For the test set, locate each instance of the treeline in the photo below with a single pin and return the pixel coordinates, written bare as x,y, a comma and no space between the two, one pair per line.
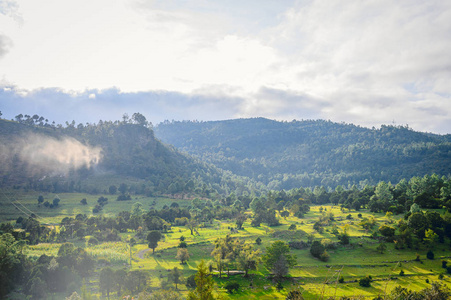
285,155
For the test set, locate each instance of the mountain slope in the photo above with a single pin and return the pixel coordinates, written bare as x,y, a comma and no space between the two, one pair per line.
77,158
309,153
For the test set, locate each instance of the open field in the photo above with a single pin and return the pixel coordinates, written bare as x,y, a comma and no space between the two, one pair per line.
312,276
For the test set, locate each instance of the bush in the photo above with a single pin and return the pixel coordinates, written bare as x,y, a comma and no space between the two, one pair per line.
401,273
294,295
93,241
232,286
359,215
317,249
448,270
341,279
365,282
444,263
292,227
191,282
324,256
430,255
298,245
258,241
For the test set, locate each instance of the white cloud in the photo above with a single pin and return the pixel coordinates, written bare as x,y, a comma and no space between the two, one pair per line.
367,62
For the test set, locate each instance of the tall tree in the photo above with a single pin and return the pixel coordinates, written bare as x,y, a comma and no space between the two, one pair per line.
153,238
204,284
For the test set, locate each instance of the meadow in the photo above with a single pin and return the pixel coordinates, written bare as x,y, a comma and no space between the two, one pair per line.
314,278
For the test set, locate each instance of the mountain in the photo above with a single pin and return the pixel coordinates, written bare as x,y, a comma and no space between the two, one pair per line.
91,157
286,155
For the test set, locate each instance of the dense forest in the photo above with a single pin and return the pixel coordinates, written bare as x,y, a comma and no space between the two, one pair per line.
309,153
44,156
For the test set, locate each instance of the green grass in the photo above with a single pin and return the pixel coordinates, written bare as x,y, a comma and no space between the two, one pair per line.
310,275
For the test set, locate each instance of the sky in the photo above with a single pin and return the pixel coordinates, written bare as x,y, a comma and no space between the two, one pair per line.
354,61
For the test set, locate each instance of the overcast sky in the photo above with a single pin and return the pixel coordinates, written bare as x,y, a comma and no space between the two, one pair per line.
362,62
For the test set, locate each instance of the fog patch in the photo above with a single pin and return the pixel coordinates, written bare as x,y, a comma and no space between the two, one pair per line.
43,155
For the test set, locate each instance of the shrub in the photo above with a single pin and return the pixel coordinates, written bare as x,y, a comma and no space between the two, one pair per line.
341,279
292,227
182,245
324,256
294,295
232,286
444,263
401,273
430,255
365,282
359,215
298,245
317,249
93,241
258,241
191,282
441,276
349,217
448,270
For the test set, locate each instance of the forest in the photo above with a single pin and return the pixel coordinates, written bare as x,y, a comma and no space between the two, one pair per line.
114,213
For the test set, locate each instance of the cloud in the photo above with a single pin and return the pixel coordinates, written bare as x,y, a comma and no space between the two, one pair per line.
44,155
5,44
365,62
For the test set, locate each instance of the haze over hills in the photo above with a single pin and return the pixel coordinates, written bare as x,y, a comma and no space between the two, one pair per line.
286,155
79,158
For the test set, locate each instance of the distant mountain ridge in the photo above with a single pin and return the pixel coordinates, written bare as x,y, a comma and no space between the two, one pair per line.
285,155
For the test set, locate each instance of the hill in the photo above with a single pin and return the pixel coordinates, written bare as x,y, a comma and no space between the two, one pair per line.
286,155
92,157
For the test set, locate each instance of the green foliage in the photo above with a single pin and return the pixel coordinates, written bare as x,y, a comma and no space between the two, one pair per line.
153,238
204,284
365,282
317,249
232,286
270,151
278,258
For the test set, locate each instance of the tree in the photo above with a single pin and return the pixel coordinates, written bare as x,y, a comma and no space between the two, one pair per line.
83,201
204,284
112,189
106,280
387,231
40,199
317,249
153,238
131,243
278,259
248,259
56,202
139,119
175,276
381,248
191,224
284,214
182,255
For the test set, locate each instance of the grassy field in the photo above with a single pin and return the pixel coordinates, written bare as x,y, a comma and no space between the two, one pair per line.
313,277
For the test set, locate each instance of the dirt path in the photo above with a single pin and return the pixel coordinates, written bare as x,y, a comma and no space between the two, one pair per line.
141,253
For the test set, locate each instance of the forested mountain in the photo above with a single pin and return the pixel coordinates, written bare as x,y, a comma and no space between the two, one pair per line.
286,155
49,157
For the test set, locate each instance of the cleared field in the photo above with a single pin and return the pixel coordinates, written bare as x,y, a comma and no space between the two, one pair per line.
313,277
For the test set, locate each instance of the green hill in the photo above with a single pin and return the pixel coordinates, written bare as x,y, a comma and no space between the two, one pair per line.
91,157
285,155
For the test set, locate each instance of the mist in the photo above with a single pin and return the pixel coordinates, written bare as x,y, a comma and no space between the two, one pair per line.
41,154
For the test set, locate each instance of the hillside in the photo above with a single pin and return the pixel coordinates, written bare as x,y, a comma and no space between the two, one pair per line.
285,155
91,157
